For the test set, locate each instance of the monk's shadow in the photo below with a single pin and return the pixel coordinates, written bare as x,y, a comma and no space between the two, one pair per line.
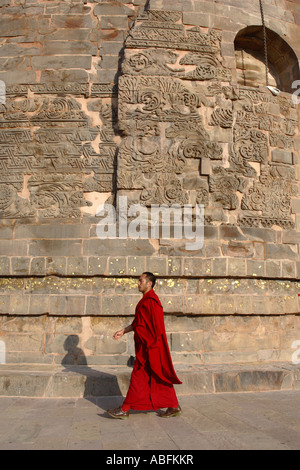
100,388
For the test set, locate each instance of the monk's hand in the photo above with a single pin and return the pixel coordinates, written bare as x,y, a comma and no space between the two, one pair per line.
119,334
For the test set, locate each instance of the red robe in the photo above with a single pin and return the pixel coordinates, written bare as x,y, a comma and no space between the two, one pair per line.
153,375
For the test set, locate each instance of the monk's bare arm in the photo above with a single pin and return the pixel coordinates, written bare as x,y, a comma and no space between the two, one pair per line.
122,332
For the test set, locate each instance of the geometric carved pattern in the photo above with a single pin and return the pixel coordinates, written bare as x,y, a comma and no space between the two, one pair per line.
46,152
187,135
176,113
159,107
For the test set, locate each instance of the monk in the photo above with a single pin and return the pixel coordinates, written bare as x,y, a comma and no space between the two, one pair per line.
151,385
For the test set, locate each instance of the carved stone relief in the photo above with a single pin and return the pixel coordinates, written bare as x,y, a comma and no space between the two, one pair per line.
160,107
47,156
178,119
178,110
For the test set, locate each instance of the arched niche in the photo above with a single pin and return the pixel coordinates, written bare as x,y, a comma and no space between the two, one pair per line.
283,63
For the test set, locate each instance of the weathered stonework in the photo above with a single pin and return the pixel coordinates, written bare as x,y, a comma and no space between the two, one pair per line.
163,102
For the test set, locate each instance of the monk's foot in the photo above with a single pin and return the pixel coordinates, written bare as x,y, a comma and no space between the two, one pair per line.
170,412
118,413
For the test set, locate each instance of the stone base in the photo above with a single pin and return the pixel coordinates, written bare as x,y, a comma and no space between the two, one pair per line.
84,381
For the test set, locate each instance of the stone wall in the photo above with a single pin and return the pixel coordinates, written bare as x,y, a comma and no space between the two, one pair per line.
146,100
205,339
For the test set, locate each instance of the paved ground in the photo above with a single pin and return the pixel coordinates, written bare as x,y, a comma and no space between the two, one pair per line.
236,421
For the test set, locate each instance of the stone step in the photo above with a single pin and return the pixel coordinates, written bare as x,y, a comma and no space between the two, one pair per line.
83,381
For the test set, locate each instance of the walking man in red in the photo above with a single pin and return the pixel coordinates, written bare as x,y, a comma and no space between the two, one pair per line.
151,385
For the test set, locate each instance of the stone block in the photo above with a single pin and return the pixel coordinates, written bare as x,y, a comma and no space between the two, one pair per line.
291,305
212,251
117,266
39,304
193,266
10,24
130,302
108,360
243,305
282,156
219,266
59,62
114,22
227,305
65,75
55,247
136,265
73,387
180,324
170,286
215,286
110,10
201,382
296,205
276,305
211,305
17,77
105,345
112,305
112,36
13,247
273,269
56,265
110,62
20,265
107,76
69,47
77,266
236,267
75,305
172,303
199,19
289,269
24,342
186,358
249,380
6,233
255,268
157,266
281,252
182,5
37,266
72,22
291,236
93,305
189,342
229,232
52,231
67,326
97,265
5,266
98,247
111,48
14,385
298,269
238,249
191,286
19,304
125,286
192,304
57,304
4,304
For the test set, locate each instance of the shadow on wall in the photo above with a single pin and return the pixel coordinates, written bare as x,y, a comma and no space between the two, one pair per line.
97,383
